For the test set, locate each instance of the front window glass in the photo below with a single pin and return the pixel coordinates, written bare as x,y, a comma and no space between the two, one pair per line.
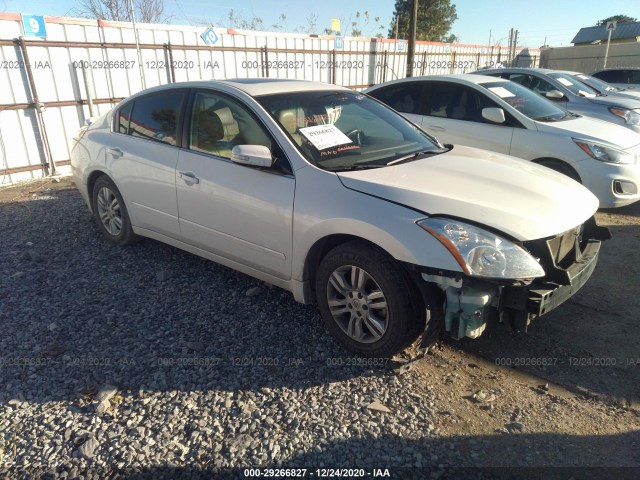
219,123
347,130
526,101
573,85
595,83
156,117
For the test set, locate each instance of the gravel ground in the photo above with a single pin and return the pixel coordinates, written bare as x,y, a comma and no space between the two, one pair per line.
149,361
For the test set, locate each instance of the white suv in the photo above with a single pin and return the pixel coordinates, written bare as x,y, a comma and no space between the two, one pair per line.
333,196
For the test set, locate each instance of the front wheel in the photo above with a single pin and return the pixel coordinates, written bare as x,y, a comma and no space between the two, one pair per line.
367,301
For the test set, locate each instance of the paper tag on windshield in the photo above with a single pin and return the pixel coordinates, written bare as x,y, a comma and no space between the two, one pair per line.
565,82
325,136
502,92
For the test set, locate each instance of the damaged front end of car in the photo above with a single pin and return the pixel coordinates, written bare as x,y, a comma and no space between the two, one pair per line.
503,281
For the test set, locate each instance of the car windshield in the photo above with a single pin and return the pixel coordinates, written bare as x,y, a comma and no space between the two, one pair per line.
343,130
573,85
595,83
526,101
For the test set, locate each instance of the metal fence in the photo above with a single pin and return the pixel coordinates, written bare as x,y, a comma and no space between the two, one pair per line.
49,87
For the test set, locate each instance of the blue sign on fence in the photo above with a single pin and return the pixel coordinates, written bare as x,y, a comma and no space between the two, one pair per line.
209,36
34,26
401,44
339,45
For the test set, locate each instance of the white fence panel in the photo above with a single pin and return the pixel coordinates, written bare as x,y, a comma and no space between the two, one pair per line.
89,61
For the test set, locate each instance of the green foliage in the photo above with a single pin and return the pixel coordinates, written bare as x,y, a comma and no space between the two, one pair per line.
616,18
435,18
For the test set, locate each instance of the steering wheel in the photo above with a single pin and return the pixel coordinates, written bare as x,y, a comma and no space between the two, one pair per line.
356,135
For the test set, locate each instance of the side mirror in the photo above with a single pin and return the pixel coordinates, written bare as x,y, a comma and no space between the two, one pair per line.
253,155
493,114
554,95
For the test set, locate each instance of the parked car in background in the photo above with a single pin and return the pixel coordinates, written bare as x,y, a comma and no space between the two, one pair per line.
503,116
573,95
601,87
335,197
620,77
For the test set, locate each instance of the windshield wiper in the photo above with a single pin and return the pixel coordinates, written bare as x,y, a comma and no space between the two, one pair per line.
553,118
355,167
415,156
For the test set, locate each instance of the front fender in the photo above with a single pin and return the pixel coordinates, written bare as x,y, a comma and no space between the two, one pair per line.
390,226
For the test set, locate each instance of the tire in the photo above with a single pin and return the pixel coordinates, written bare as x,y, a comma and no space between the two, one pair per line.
367,301
111,213
562,168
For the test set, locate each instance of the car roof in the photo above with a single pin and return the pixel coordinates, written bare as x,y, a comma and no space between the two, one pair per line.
616,69
251,86
514,70
462,78
570,72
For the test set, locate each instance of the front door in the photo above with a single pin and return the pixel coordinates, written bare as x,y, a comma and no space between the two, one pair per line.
242,213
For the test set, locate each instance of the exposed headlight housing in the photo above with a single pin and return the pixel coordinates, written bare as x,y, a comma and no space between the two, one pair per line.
629,116
605,154
481,253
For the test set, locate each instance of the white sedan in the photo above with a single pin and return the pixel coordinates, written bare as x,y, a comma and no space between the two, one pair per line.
503,116
333,196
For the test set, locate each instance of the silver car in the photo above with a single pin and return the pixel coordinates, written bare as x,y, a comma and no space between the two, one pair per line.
601,87
573,95
335,197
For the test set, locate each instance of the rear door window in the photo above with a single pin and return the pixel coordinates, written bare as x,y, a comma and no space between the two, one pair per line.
156,116
610,76
404,97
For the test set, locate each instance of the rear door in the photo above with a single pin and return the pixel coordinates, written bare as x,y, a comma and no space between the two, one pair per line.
143,158
404,97
238,212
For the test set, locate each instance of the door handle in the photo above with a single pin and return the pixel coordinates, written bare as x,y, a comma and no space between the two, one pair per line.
115,152
436,128
188,177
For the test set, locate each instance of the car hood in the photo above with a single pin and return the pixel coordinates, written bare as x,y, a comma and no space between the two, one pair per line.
615,101
519,198
588,128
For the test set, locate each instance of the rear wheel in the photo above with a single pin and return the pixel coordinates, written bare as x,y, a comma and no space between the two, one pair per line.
111,213
367,301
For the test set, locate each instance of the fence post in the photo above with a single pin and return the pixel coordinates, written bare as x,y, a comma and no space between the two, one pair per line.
172,70
48,162
333,66
265,61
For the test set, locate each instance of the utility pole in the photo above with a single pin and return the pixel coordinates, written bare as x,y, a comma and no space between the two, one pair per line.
412,36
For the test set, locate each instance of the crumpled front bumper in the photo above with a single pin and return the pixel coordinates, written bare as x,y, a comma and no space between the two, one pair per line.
569,259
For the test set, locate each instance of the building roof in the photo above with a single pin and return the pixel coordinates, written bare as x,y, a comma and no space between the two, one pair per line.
592,34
